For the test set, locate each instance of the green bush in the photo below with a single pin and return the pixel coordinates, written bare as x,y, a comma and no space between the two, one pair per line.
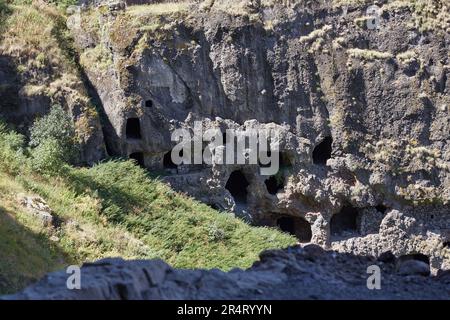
12,150
48,157
4,9
56,126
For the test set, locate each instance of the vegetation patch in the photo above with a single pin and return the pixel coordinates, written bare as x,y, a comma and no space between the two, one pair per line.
368,55
115,209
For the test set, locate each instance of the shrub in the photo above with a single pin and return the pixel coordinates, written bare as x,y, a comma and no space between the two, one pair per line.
48,157
4,9
215,233
56,126
12,150
368,54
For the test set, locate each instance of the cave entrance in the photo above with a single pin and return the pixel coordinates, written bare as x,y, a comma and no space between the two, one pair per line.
168,162
447,244
139,158
237,185
416,256
285,161
322,152
149,104
381,208
133,130
344,222
274,184
296,226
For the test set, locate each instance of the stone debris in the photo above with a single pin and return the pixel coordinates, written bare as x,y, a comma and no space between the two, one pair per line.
38,208
307,272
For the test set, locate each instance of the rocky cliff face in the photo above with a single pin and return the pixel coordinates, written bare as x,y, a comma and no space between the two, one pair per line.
363,113
296,273
37,70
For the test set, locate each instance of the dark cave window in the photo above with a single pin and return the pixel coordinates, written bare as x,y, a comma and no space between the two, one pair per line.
167,161
322,152
237,185
287,224
447,244
215,206
133,130
344,221
417,256
285,162
139,158
149,104
274,185
381,208
296,226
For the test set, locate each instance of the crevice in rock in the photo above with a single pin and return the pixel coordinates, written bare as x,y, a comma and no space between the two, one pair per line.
417,256
296,226
285,161
133,129
139,158
413,264
322,152
274,184
381,208
168,162
149,104
344,222
237,185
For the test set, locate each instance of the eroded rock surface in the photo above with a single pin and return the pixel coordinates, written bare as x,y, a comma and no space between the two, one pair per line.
363,113
295,273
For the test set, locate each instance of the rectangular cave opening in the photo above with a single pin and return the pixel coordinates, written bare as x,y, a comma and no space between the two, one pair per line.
133,128
323,151
297,227
344,222
149,104
237,185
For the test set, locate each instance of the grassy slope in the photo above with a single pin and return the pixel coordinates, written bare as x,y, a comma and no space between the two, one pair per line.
26,252
115,209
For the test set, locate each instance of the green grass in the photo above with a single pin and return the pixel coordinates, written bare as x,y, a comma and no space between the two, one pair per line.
110,210
368,55
26,252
